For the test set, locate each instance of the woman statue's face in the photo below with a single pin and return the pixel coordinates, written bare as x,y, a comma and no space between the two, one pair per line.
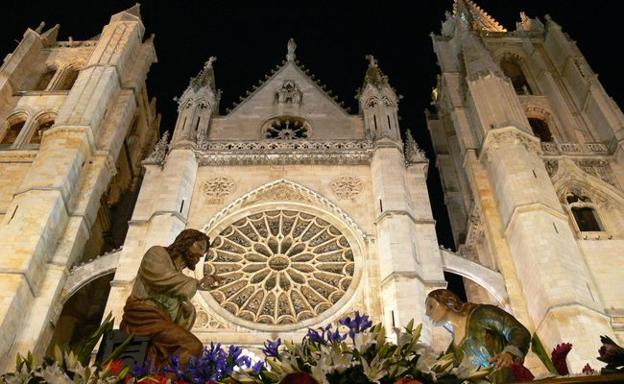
435,310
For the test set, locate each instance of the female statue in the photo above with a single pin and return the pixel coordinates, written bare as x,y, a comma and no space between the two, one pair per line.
483,335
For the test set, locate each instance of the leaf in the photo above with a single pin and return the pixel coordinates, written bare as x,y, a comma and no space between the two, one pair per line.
117,351
19,362
538,348
417,332
30,361
410,326
84,354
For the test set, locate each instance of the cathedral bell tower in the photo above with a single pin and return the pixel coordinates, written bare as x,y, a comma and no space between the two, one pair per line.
514,111
195,108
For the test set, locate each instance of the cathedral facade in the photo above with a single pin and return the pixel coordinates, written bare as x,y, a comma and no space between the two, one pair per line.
313,212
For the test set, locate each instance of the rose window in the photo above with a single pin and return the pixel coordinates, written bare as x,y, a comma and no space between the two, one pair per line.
280,267
286,128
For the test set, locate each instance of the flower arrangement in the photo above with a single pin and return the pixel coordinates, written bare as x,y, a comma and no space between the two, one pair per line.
352,351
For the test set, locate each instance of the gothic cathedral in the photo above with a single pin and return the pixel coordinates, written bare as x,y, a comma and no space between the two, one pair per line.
313,212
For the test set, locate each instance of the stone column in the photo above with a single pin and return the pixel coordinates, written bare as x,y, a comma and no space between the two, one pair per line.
403,287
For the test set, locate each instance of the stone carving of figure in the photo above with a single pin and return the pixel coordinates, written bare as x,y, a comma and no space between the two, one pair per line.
483,335
160,303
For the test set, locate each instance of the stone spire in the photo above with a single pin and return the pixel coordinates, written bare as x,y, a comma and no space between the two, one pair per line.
477,58
476,17
374,76
413,153
292,46
205,77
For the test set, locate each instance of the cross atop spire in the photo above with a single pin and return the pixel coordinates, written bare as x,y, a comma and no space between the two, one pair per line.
476,17
292,46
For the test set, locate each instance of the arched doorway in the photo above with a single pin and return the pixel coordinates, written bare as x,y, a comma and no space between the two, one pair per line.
82,313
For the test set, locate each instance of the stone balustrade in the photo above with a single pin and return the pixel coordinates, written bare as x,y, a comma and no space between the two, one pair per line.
574,148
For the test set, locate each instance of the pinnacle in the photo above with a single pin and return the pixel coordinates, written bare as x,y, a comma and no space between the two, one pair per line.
206,76
476,16
135,10
374,75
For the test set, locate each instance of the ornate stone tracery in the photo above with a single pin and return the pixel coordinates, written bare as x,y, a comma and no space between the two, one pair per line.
286,128
217,188
280,267
346,187
598,168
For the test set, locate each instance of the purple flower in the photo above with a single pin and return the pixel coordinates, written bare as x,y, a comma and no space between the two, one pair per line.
315,337
324,335
356,325
174,367
335,337
271,348
143,369
257,367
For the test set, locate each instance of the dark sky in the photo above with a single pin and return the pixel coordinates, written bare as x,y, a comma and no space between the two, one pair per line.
332,36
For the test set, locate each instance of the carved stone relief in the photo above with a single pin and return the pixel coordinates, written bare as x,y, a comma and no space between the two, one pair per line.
551,167
289,93
597,168
217,188
346,187
506,137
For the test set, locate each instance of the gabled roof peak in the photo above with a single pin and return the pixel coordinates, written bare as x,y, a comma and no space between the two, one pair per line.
291,60
476,17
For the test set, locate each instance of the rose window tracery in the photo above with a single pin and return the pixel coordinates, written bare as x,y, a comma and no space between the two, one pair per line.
280,267
286,128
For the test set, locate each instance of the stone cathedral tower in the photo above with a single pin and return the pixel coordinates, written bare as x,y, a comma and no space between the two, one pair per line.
75,124
313,212
530,152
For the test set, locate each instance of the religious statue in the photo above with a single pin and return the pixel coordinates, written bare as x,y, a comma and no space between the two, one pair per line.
483,335
160,303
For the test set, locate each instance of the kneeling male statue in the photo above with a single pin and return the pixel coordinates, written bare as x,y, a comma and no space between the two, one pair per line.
160,303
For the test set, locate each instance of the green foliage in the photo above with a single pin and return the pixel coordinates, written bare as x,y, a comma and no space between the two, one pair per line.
538,348
68,366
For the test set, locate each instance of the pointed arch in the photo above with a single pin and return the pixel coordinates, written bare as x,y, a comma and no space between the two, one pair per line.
575,179
84,274
513,63
302,193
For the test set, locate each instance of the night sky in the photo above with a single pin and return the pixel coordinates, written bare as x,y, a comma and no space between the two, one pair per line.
333,37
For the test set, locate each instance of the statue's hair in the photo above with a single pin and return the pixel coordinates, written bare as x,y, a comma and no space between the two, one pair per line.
184,240
450,300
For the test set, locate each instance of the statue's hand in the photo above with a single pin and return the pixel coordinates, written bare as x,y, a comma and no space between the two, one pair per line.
187,308
210,282
503,359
